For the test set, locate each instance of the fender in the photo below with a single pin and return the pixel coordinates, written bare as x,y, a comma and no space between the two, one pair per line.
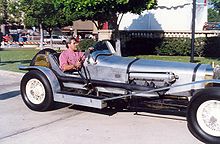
55,85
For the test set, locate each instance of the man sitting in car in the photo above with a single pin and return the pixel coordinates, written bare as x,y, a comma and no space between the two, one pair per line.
71,59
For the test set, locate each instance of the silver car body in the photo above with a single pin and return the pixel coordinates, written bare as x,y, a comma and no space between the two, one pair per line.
122,69
107,79
130,77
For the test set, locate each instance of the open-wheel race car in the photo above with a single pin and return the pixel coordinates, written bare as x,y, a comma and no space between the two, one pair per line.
106,78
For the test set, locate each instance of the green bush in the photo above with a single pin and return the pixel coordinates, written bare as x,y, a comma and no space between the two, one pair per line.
200,45
85,44
182,46
204,46
174,46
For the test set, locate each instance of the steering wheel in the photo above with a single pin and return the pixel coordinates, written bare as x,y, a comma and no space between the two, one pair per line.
85,79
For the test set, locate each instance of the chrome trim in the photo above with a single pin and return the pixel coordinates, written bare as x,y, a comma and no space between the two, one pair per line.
161,89
80,100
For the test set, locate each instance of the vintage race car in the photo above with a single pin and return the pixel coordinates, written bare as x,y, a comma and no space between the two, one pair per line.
106,79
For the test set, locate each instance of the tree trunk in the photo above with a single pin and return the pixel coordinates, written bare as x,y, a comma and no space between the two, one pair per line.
41,37
116,35
51,39
3,29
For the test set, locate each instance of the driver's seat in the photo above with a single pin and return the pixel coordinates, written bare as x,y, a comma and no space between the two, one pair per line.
56,57
54,62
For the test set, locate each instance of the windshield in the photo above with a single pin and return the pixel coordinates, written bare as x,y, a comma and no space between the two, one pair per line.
102,47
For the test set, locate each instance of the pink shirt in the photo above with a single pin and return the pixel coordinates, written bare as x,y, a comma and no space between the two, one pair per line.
70,57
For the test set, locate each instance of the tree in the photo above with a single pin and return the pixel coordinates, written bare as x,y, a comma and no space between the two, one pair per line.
9,12
3,11
15,15
214,11
3,15
213,15
104,10
42,14
216,4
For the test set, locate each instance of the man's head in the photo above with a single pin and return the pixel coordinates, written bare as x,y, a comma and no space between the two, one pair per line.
72,43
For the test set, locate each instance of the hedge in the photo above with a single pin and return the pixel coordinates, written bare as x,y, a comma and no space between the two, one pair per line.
174,46
209,46
85,44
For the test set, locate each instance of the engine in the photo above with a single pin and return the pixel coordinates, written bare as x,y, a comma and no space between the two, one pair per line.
153,79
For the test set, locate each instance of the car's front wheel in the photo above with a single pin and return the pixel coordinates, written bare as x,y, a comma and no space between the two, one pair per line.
36,91
203,115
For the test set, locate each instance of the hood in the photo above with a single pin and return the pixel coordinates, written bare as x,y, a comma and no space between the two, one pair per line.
186,72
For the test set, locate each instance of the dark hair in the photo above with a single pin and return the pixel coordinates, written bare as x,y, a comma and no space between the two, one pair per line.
68,41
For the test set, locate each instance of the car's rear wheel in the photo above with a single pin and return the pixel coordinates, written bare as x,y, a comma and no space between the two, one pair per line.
36,91
203,115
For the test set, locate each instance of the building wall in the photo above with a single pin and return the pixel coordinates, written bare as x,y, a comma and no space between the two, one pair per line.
174,15
84,25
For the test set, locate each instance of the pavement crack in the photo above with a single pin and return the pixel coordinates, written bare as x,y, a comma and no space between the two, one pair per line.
39,126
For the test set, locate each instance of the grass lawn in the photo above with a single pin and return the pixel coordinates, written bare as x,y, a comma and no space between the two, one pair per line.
203,60
10,59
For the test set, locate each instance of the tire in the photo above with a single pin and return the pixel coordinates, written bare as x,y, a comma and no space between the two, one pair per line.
36,91
203,115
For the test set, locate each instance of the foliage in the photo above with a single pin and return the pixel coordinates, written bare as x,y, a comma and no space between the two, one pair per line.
3,11
216,4
103,10
43,12
213,15
9,12
15,15
200,45
174,46
204,46
214,11
85,44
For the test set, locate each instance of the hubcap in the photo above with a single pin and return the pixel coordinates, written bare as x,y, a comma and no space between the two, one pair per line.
35,91
208,117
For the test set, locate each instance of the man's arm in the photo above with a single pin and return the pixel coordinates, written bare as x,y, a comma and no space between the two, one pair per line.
67,67
64,64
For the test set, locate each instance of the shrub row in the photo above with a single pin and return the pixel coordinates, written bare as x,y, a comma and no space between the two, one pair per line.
209,46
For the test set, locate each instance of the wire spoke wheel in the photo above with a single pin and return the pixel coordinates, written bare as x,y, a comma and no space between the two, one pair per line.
208,115
203,115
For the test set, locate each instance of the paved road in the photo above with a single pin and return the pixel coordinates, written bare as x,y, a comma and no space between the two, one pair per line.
75,125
